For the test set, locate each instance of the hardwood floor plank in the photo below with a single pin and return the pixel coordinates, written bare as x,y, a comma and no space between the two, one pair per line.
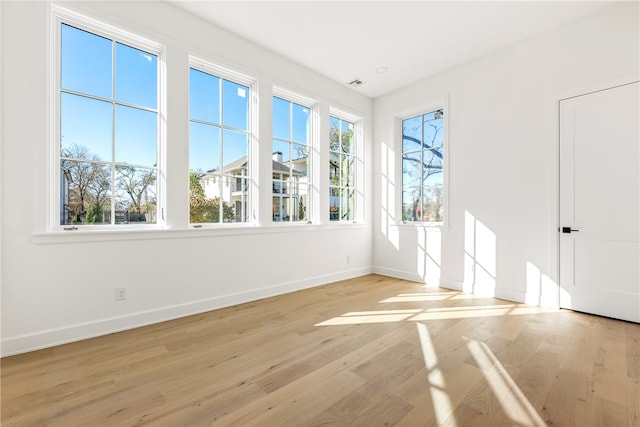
370,351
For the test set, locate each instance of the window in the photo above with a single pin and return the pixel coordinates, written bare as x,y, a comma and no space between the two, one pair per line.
218,149
291,160
423,168
108,129
342,163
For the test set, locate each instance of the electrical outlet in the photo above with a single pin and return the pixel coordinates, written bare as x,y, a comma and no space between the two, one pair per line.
120,294
348,259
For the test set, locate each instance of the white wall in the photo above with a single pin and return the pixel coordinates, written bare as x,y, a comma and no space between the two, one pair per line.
61,288
503,154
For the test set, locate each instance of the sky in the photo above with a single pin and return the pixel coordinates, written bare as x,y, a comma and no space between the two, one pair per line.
124,131
109,104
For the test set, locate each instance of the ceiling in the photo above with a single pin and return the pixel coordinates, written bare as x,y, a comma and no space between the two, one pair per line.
347,40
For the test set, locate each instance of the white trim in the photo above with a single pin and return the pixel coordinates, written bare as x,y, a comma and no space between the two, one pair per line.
554,155
232,229
452,284
510,295
81,331
341,114
224,73
358,176
436,103
58,16
399,274
295,97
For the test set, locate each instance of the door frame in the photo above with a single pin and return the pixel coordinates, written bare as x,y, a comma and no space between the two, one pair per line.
554,182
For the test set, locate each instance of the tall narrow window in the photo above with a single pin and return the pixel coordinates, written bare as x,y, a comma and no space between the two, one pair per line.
422,168
291,160
218,149
108,105
342,163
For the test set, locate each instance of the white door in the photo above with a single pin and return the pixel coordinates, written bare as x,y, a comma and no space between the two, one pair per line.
600,203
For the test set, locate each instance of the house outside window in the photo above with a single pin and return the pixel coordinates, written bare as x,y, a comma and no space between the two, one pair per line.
423,161
107,107
291,160
342,170
219,138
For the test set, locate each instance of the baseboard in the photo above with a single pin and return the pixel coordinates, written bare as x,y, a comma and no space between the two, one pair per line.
398,274
52,337
509,295
455,285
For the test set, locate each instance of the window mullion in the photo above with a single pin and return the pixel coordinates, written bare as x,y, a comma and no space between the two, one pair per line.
113,132
221,151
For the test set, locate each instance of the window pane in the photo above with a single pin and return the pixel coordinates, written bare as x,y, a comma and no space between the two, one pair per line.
347,137
281,118
348,163
235,105
432,162
301,211
411,208
136,76
204,97
135,195
432,131
433,176
334,134
234,150
136,136
235,199
300,159
204,147
411,169
85,128
85,62
85,193
334,168
432,210
411,134
334,204
281,151
301,124
204,198
346,206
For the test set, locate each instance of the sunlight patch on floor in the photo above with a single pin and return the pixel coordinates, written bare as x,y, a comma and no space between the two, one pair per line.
437,387
513,402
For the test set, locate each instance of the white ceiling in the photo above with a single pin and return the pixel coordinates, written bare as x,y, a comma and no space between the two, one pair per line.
345,40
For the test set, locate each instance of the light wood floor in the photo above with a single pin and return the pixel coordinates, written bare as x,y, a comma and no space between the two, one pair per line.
371,351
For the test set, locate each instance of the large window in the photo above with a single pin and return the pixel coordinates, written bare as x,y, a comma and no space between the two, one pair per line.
218,149
342,163
291,160
423,167
108,130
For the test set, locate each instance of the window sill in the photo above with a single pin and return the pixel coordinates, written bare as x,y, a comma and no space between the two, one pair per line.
424,225
130,234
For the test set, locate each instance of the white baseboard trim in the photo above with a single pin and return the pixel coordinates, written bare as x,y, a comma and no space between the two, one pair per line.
398,274
454,285
509,295
53,337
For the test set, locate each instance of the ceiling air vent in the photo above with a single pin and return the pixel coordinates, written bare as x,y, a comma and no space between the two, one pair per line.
355,83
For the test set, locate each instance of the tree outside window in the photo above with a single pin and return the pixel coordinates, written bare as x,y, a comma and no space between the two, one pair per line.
422,168
342,161
108,130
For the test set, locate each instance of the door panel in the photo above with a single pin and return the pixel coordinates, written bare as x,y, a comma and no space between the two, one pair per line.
600,197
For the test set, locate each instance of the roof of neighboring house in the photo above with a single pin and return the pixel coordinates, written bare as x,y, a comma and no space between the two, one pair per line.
276,166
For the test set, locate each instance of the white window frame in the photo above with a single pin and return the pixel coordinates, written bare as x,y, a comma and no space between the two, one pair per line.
225,73
313,107
59,16
358,165
436,104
